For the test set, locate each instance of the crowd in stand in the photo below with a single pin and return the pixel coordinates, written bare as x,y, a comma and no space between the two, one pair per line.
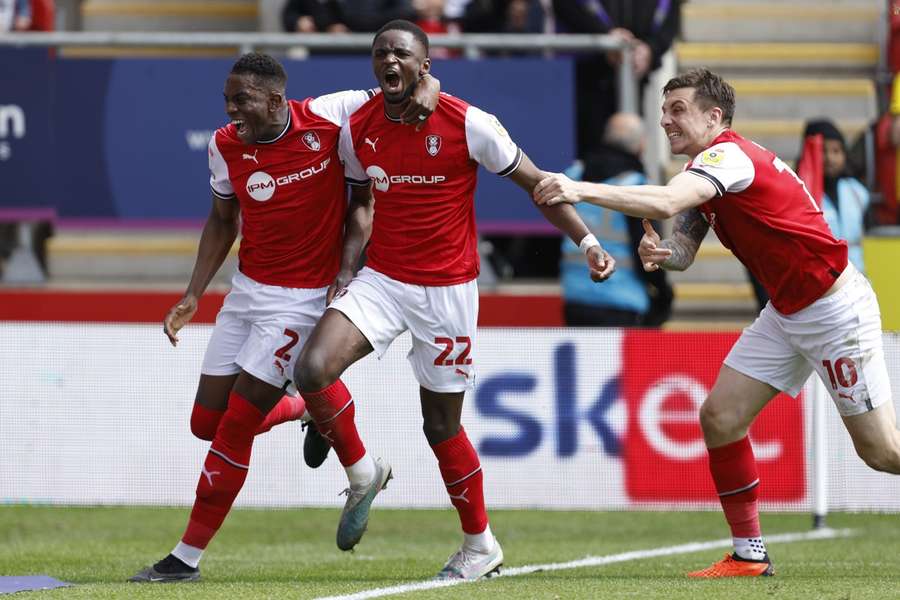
433,16
26,15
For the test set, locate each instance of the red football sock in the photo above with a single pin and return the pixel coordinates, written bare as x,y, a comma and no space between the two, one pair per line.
734,473
205,421
462,475
289,408
332,410
224,471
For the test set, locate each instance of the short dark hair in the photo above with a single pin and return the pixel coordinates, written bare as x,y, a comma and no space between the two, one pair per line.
403,25
262,66
709,89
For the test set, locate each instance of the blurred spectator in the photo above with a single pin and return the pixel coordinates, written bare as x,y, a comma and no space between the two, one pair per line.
431,16
341,16
43,15
504,16
894,35
887,159
310,16
650,26
15,15
370,15
633,297
844,200
299,16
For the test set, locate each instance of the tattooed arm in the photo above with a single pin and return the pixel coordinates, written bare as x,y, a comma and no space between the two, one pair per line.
687,233
677,252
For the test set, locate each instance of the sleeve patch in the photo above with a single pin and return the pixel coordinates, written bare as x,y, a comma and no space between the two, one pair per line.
713,157
495,123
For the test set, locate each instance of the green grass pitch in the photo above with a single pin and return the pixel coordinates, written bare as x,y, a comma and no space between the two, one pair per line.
291,554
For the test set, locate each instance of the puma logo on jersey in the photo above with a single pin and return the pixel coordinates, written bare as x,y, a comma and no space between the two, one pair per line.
463,373
251,156
461,496
209,474
371,143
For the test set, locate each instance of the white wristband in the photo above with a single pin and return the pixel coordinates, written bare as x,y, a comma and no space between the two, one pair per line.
588,241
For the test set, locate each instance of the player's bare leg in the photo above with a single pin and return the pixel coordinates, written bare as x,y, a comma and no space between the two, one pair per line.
725,418
876,438
212,400
334,345
480,554
221,479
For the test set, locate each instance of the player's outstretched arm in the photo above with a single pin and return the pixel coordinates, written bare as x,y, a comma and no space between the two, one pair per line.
218,235
683,191
357,230
566,219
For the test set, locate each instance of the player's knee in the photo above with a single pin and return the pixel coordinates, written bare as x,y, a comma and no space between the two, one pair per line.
439,430
204,423
716,421
311,373
884,458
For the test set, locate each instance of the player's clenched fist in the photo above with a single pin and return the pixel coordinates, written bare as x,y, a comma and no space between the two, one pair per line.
340,283
600,263
651,253
178,316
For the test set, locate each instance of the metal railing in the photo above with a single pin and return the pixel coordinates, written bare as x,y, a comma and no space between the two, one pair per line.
472,45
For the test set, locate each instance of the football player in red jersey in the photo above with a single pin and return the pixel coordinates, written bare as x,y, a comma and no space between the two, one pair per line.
823,314
422,265
276,175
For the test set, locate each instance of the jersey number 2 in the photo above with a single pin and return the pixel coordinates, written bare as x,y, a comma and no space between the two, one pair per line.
282,352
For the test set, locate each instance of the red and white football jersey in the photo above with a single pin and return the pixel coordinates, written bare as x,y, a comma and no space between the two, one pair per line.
291,191
764,214
424,230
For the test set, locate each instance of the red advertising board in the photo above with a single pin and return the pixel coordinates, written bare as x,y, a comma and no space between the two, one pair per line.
665,378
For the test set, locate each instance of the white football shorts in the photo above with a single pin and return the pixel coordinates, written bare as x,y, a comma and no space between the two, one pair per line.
442,320
838,336
261,329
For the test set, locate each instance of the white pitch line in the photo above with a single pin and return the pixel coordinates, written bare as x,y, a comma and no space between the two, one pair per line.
595,561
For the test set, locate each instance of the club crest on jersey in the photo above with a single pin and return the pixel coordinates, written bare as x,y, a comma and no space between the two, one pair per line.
312,141
433,144
712,157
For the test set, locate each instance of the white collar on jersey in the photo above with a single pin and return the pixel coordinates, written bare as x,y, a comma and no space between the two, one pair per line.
390,118
287,126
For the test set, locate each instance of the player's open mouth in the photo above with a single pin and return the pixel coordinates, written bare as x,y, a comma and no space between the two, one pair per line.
392,79
240,126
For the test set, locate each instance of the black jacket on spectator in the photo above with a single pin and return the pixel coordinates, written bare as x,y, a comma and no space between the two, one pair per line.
294,9
655,22
358,15
370,15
